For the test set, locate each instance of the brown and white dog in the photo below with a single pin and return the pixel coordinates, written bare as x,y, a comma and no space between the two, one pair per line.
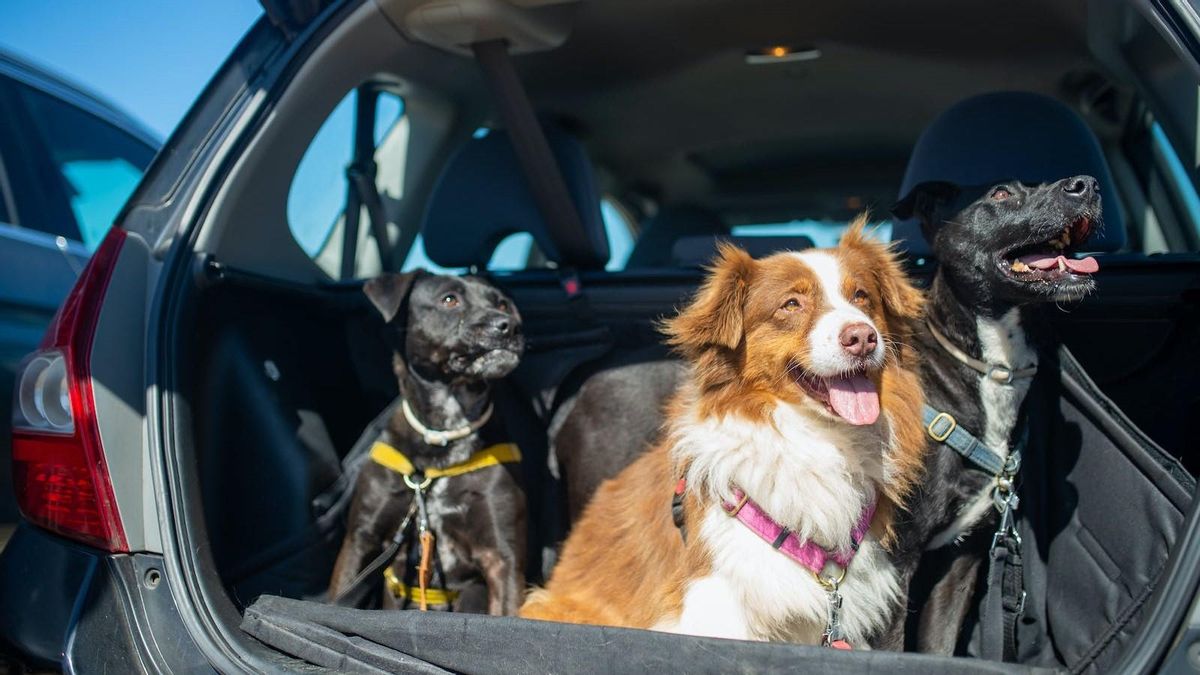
800,410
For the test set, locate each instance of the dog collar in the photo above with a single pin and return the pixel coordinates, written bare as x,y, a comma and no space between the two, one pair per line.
806,552
439,437
993,371
501,453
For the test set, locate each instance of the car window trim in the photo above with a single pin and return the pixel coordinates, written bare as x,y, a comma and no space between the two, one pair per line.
84,101
45,240
6,194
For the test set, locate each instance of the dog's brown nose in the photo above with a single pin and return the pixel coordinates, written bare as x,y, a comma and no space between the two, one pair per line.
859,339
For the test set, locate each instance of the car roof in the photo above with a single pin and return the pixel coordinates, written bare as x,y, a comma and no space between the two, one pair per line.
663,96
40,77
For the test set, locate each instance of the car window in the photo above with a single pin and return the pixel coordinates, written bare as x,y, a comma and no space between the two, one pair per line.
317,197
823,233
619,226
1157,164
518,251
97,166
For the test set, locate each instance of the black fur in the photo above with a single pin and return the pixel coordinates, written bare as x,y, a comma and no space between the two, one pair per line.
451,336
975,237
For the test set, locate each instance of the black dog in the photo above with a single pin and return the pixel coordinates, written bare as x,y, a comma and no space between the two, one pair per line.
1001,251
442,481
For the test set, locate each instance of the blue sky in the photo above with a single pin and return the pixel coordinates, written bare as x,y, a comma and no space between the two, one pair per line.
150,57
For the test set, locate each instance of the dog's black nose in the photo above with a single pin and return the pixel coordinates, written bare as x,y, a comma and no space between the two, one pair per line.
501,325
1081,186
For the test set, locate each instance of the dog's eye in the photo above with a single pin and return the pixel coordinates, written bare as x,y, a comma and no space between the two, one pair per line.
450,300
791,305
1000,194
503,306
861,297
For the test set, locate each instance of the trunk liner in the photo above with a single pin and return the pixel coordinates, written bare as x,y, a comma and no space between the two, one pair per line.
356,640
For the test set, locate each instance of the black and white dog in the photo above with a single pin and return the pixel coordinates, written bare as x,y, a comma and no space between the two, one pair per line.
443,470
1002,251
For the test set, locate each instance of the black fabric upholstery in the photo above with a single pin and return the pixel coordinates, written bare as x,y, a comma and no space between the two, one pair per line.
1005,136
660,232
280,402
482,197
1101,506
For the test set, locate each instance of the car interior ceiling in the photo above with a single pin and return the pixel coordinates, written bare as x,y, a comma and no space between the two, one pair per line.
290,365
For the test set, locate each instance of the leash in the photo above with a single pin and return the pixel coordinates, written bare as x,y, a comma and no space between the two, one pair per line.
419,481
1004,602
380,560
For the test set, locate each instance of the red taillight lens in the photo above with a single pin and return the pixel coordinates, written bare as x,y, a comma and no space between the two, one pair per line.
60,474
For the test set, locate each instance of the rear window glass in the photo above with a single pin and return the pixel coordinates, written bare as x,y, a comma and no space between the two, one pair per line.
317,198
823,233
519,251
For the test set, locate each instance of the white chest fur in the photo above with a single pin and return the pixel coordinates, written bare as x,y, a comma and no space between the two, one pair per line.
754,592
1002,341
811,475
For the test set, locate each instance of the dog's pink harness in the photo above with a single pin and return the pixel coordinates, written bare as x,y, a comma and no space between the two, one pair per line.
806,552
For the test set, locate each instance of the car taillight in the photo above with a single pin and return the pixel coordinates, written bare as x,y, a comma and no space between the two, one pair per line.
59,471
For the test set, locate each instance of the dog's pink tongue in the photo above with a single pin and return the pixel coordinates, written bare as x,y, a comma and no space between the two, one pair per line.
854,398
1044,261
1086,266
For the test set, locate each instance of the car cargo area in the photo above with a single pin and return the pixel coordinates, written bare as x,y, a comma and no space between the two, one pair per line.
666,136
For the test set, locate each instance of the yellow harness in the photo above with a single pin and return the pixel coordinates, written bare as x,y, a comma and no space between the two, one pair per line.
500,453
388,456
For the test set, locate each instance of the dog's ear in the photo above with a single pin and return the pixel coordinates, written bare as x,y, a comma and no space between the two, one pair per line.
388,292
900,297
715,315
925,202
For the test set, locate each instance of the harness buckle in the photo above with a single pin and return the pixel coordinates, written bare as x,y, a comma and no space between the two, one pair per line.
1001,374
830,584
1012,464
417,486
733,510
951,425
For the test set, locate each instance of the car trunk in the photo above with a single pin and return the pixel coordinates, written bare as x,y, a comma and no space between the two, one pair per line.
276,376
292,375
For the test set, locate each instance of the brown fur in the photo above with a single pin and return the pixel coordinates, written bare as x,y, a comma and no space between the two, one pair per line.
625,563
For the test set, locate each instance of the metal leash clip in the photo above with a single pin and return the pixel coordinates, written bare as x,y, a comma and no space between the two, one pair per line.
833,635
418,487
1006,502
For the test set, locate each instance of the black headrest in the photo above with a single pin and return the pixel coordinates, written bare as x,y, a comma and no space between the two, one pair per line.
663,229
482,197
1005,136
698,251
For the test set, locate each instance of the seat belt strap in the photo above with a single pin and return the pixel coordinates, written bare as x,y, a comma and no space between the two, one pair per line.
541,169
360,186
